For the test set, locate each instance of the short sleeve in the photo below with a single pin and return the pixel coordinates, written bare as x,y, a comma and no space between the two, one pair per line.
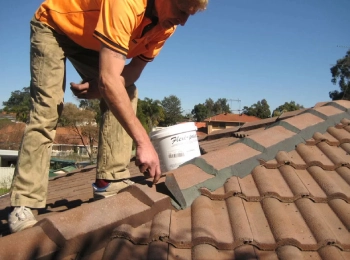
155,46
117,20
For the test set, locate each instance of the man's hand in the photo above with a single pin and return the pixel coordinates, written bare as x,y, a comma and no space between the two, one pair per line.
86,90
148,162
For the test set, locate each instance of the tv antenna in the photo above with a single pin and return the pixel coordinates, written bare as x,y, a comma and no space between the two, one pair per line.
239,105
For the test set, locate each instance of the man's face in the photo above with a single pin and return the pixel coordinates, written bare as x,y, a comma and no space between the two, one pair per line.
173,13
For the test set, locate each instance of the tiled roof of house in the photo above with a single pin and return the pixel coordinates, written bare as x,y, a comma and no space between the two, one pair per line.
201,129
279,193
68,135
64,135
228,117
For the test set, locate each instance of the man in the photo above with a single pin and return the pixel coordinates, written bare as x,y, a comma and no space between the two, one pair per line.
97,37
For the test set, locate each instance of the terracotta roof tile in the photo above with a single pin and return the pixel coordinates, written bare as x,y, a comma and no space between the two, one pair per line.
227,117
293,203
211,223
150,231
212,145
179,253
258,123
303,121
119,248
229,155
190,175
271,136
328,110
17,247
180,229
291,113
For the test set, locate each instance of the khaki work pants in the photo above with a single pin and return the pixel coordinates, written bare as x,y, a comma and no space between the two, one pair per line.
48,53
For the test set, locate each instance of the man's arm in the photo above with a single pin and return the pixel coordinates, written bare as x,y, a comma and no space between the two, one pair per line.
112,80
133,70
89,89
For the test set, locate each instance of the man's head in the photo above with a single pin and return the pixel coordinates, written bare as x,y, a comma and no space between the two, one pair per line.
176,12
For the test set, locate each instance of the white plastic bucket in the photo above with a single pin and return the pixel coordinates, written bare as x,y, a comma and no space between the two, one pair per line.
175,145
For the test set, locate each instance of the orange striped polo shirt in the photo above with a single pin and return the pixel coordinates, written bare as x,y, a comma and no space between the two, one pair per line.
119,24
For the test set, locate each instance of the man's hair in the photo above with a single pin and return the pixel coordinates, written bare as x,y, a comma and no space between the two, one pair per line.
195,5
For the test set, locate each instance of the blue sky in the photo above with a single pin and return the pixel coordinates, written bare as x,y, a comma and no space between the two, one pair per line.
278,50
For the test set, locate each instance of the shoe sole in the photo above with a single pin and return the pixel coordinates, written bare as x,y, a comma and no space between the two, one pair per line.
106,194
23,226
98,196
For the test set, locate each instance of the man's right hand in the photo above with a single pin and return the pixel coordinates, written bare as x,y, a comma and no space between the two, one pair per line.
86,90
148,162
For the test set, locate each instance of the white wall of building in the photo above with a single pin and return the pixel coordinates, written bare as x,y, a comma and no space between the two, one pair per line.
6,175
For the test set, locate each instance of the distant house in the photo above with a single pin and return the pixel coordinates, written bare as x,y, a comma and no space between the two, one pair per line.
66,142
227,120
201,130
9,116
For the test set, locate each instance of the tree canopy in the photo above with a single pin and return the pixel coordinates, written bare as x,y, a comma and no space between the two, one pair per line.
150,113
19,103
260,109
92,105
221,106
210,108
200,112
172,110
209,104
341,75
286,107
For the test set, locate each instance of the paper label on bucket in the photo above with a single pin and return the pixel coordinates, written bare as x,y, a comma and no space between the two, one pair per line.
176,149
180,139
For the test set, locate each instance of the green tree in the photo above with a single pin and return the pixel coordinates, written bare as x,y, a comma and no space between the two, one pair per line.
209,103
221,106
92,105
19,103
200,112
150,113
188,117
341,75
172,110
141,116
260,109
83,123
286,107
